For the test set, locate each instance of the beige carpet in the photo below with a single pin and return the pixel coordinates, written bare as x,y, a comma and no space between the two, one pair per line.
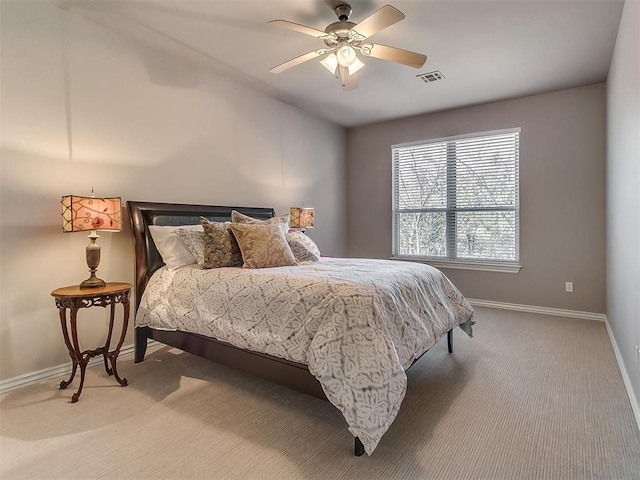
530,397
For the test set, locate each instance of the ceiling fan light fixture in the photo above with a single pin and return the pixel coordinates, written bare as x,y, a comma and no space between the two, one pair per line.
344,39
346,55
355,66
330,62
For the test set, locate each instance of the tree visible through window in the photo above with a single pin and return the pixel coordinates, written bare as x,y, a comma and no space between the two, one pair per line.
456,199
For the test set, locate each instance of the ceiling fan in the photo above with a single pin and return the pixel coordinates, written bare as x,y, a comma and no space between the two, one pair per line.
343,39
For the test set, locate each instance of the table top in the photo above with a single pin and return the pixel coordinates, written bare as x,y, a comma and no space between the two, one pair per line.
75,291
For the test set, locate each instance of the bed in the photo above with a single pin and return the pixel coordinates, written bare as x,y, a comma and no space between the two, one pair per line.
343,330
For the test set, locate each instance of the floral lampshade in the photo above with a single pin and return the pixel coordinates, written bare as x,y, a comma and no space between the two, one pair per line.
89,213
302,217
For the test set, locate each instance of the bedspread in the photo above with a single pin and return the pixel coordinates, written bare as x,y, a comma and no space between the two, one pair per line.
357,324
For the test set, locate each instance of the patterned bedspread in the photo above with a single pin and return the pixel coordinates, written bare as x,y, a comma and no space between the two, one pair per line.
357,324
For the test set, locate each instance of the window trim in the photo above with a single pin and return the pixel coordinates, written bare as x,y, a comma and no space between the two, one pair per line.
490,265
483,266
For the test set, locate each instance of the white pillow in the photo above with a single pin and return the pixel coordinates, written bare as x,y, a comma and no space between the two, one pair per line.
172,249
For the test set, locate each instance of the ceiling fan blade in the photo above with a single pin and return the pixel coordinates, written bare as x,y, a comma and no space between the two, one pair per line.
296,27
349,82
393,54
297,61
378,20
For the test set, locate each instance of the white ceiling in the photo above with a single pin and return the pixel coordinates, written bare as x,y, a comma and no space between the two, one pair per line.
487,50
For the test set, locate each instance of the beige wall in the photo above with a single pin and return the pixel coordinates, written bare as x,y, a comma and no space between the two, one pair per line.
84,107
623,192
562,194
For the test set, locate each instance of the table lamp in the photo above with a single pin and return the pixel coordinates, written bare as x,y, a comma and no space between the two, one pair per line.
302,218
81,214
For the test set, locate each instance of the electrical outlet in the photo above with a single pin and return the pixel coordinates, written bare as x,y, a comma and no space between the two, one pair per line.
568,287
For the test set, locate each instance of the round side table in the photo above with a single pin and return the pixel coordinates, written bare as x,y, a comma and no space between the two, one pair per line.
74,298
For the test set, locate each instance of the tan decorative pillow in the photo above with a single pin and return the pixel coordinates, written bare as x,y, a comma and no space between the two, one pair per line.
220,246
303,248
263,245
282,220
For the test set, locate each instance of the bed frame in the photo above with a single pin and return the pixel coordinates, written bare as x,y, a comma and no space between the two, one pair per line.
147,260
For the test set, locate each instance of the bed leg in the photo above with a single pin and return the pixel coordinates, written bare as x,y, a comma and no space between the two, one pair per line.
450,340
140,343
359,448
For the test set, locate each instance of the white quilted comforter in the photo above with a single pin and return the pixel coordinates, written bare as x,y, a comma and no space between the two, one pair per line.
357,324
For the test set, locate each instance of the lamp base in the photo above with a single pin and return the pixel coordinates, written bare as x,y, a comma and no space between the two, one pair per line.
93,260
93,282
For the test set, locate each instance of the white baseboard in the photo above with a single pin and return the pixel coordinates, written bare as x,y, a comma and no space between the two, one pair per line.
52,372
574,314
625,375
559,312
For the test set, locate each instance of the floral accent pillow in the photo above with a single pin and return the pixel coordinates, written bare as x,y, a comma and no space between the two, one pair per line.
194,240
220,246
263,245
282,220
303,248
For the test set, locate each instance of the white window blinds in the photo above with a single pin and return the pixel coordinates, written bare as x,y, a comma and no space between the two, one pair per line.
456,198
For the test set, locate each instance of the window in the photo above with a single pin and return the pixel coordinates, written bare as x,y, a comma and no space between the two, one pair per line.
455,200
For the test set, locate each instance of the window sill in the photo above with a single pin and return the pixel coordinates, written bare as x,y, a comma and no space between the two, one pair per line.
461,265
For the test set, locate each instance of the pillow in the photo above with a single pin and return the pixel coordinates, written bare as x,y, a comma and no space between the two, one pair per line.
172,249
263,245
194,240
282,220
304,249
220,246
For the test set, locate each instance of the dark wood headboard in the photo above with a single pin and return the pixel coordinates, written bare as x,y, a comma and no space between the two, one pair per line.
143,214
